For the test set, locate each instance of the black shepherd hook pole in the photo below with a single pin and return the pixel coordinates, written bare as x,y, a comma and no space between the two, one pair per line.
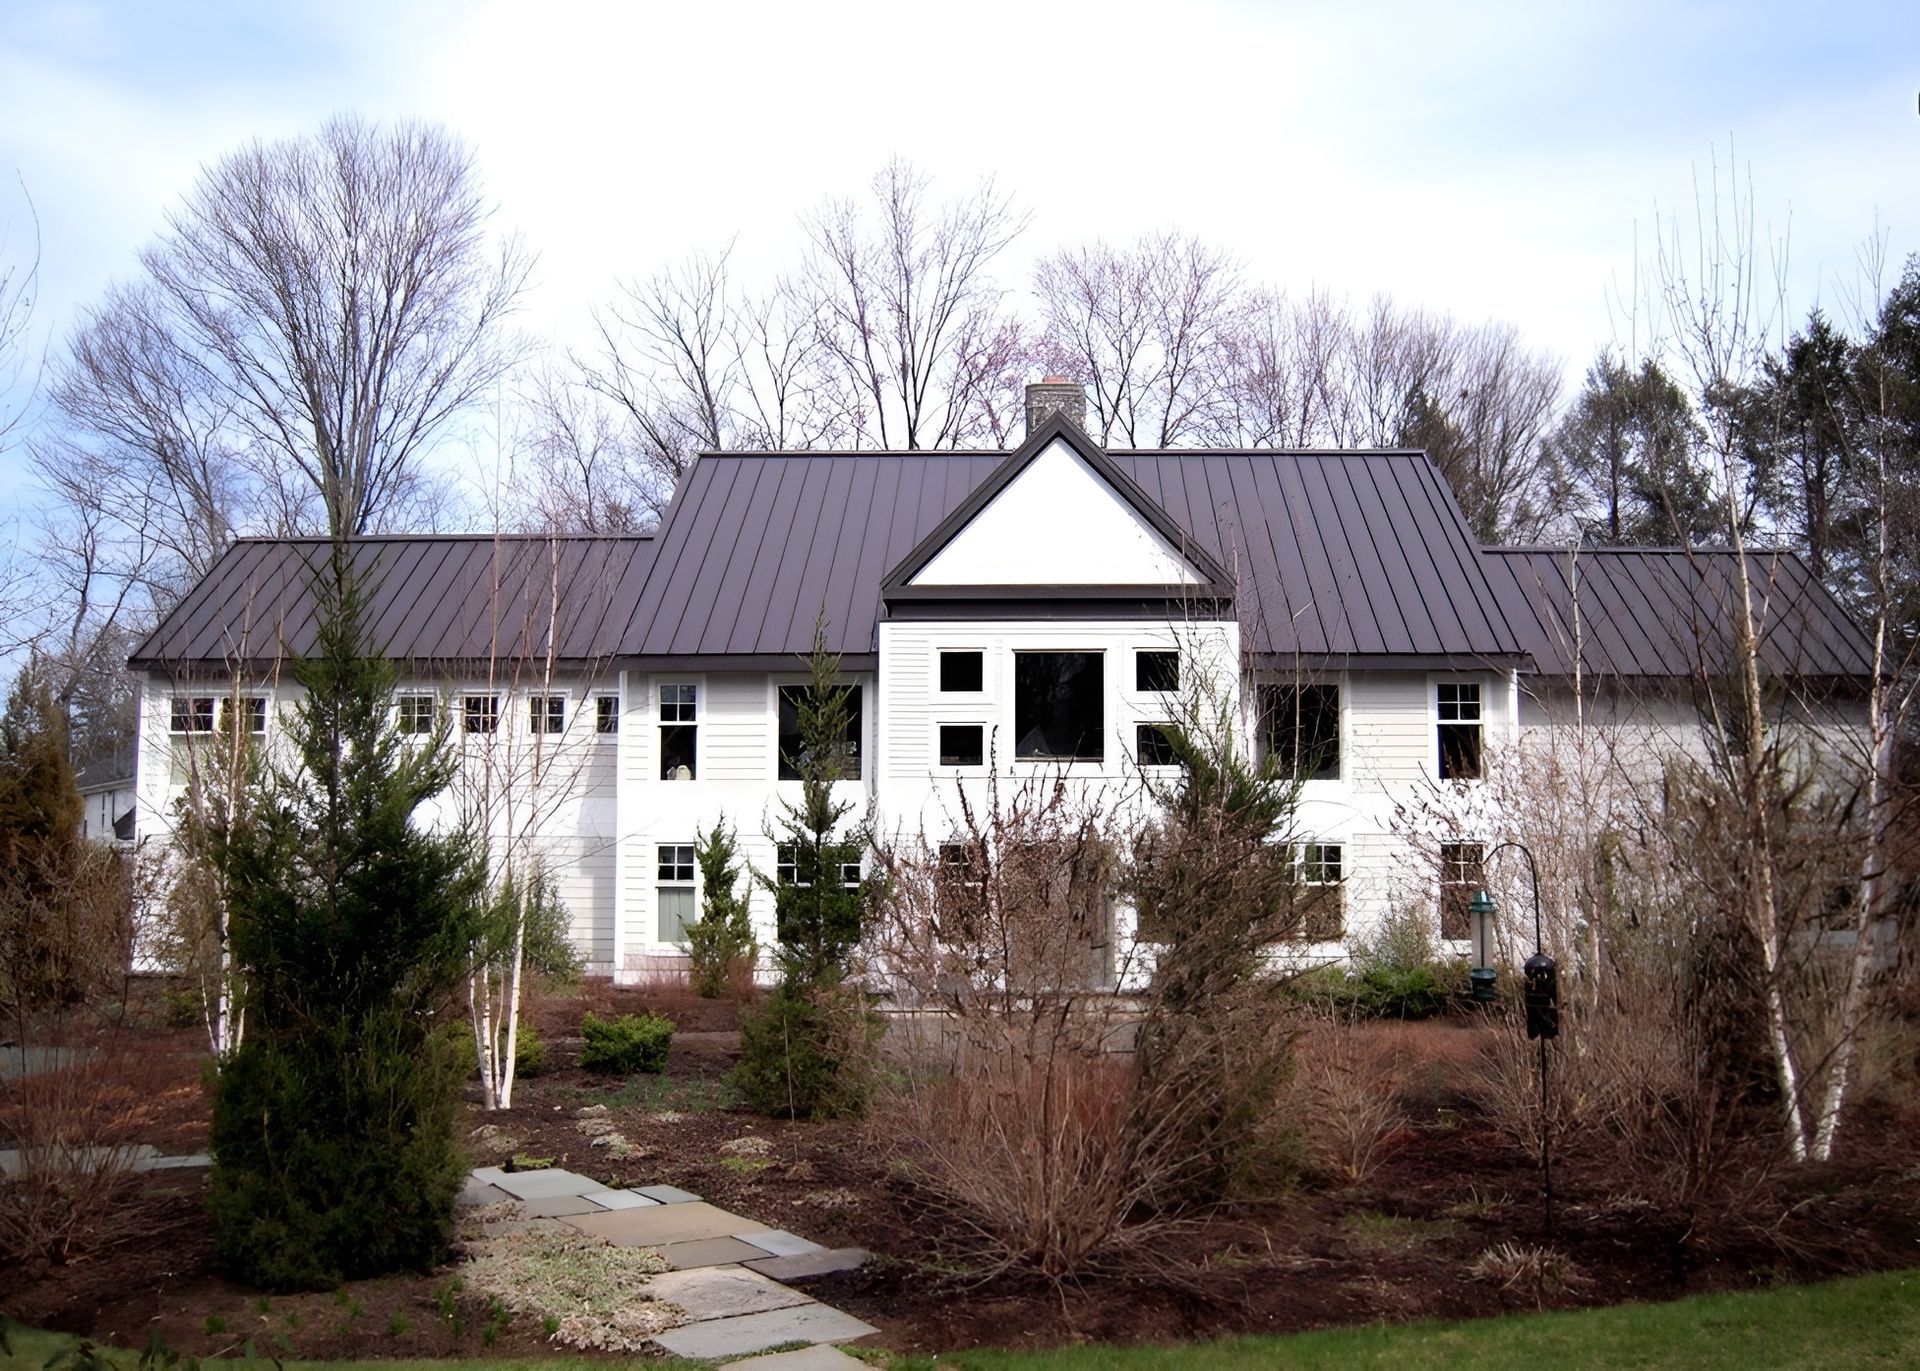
1543,1017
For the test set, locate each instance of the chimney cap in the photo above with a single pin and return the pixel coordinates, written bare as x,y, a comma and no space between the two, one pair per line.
1056,380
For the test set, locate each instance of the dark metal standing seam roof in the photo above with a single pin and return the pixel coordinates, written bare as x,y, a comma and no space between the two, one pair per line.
1670,612
458,599
1336,555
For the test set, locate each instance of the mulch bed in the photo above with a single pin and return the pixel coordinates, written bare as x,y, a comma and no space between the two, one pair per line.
1397,1247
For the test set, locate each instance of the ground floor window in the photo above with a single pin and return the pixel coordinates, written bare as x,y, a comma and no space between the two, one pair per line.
675,892
1462,872
1322,905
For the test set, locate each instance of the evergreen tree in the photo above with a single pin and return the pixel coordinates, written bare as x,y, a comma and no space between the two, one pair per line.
40,815
723,935
332,1124
804,1051
1630,447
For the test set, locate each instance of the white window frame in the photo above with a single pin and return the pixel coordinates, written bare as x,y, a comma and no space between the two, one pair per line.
465,714
566,711
1150,699
402,699
1115,708
1342,682
258,708
662,884
1156,767
784,867
601,699
212,715
986,746
698,685
986,673
1434,682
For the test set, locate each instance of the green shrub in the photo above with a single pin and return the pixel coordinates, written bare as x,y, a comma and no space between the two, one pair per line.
628,1044
722,938
183,1008
529,1051
334,1155
549,948
1399,972
806,1053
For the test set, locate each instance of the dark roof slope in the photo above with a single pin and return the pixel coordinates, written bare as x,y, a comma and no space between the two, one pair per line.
461,598
1337,554
1665,612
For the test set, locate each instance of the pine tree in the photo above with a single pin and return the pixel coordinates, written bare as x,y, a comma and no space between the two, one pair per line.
332,1127
40,815
804,1051
722,938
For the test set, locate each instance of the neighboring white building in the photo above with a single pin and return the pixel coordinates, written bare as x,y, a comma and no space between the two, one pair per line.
106,801
1037,612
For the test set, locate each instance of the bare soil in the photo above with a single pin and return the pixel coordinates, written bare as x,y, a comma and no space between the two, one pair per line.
1397,1247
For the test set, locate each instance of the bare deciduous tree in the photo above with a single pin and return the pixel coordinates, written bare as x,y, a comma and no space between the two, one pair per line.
19,288
908,313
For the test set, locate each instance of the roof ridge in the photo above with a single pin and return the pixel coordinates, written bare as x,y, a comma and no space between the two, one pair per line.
1627,549
317,540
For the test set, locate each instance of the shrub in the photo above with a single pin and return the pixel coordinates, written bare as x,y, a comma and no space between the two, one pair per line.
1399,972
299,1206
183,1008
626,1045
1349,1103
529,1051
721,943
549,949
806,1053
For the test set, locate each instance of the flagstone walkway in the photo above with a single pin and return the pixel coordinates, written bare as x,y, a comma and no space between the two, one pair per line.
733,1276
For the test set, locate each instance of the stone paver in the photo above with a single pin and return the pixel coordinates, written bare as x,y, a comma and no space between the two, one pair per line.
488,1174
540,1185
560,1206
721,1292
814,1323
811,1266
684,1256
666,1194
186,1163
776,1242
818,1358
620,1199
477,1191
665,1223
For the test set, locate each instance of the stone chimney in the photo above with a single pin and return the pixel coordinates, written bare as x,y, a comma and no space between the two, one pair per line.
1056,394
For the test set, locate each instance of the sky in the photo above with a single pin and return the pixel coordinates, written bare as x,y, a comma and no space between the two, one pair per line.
1496,160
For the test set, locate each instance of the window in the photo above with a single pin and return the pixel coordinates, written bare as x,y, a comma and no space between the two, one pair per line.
679,710
190,714
1458,704
547,713
253,710
606,714
1059,706
960,890
480,713
675,892
962,673
1462,872
1156,671
786,865
1322,905
1300,727
963,745
415,713
791,754
1153,746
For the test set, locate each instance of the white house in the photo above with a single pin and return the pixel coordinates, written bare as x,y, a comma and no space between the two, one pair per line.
1031,611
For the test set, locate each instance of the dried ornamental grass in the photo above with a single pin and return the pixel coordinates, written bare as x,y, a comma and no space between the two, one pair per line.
595,1291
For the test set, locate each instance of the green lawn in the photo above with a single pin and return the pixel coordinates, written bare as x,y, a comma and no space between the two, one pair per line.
1863,1321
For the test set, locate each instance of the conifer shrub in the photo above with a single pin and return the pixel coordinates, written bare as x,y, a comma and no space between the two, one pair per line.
628,1045
351,923
721,949
529,1051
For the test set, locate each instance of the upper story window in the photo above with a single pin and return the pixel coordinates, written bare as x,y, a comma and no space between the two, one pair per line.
679,716
1461,741
606,714
962,671
786,864
1059,706
1300,729
479,713
253,714
414,713
791,750
547,713
191,713
1156,672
